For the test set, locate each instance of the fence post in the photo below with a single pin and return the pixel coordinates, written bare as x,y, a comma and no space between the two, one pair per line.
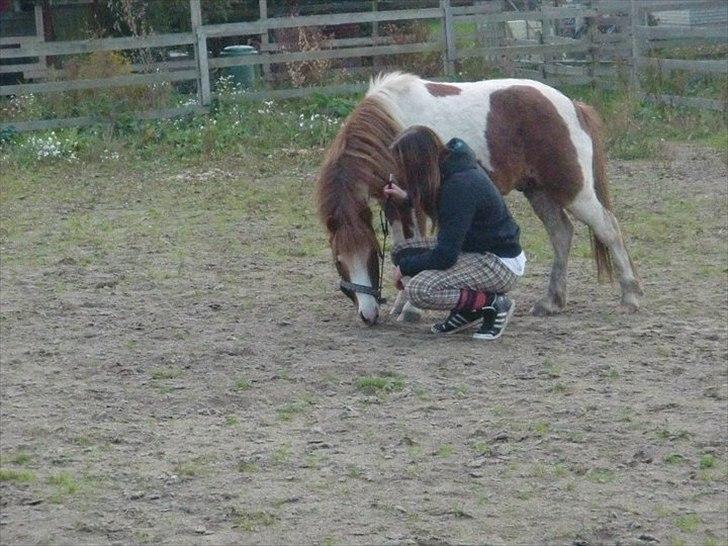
203,66
634,23
449,38
40,33
264,38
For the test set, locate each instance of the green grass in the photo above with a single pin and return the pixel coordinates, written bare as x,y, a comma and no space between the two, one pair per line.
290,409
12,475
380,384
706,461
688,523
250,521
242,385
65,483
673,458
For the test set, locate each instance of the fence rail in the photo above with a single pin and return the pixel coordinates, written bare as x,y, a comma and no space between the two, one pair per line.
616,40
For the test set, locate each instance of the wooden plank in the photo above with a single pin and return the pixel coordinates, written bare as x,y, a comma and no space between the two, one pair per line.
509,51
25,67
104,83
89,46
704,32
340,89
87,121
692,65
450,53
689,102
485,13
296,56
257,27
17,40
654,5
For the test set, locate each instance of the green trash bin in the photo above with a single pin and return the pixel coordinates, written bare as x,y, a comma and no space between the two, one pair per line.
243,76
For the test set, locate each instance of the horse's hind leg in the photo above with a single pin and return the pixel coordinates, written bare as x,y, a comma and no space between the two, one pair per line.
587,208
561,230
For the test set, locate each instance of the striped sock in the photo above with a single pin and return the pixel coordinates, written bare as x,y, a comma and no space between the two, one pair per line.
473,300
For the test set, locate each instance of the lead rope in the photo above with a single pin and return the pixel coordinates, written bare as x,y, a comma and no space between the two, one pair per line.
383,250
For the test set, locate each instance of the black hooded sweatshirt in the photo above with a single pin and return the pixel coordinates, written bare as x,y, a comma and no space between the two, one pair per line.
472,216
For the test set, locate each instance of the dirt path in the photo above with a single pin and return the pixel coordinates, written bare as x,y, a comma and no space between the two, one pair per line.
183,371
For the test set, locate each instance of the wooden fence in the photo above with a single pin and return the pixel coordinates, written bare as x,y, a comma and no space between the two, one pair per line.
598,42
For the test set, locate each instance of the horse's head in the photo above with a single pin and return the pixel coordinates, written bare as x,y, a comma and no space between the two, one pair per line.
355,251
356,168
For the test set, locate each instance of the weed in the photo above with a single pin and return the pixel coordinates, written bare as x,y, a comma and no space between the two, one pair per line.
600,475
290,409
445,451
688,523
707,461
673,458
252,521
231,420
541,428
166,373
21,458
386,383
65,483
242,385
281,454
12,475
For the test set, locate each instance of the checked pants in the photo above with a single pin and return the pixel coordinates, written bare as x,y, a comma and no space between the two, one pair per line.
433,289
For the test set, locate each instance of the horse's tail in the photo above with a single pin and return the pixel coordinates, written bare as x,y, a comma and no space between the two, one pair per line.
592,124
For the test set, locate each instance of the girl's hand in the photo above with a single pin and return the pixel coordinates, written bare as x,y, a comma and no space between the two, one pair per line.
393,190
397,274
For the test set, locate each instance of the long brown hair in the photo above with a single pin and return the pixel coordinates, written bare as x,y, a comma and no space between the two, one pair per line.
418,151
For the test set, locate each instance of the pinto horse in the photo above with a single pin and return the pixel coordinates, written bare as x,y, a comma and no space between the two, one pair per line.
526,135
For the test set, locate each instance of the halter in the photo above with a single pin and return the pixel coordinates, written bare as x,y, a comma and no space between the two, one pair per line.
347,286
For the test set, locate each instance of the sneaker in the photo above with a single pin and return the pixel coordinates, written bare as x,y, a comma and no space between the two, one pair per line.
456,321
494,327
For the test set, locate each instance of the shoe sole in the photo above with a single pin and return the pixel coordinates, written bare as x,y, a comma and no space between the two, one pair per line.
488,337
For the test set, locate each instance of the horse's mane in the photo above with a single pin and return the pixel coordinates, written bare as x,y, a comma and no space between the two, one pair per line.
356,167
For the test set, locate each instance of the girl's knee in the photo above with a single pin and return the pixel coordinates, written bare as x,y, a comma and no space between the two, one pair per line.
416,292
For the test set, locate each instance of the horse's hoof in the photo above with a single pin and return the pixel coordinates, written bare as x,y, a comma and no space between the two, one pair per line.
630,303
545,308
409,316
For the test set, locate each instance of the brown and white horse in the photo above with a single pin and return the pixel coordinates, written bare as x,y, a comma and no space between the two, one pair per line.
527,135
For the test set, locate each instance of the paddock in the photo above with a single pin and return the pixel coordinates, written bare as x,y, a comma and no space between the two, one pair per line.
178,367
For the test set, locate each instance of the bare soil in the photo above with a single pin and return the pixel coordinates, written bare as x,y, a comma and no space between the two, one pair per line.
178,368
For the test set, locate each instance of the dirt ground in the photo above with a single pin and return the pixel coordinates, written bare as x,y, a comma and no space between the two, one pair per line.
178,368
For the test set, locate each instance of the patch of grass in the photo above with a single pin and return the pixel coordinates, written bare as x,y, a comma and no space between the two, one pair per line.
422,394
600,475
706,461
460,391
666,434
688,523
231,420
541,428
354,471
166,373
380,384
553,370
281,454
287,411
242,385
445,451
12,475
190,469
673,458
65,483
253,520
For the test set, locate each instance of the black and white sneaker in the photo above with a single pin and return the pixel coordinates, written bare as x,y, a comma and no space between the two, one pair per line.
457,321
494,323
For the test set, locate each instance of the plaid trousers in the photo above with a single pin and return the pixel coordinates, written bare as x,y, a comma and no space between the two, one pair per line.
433,289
